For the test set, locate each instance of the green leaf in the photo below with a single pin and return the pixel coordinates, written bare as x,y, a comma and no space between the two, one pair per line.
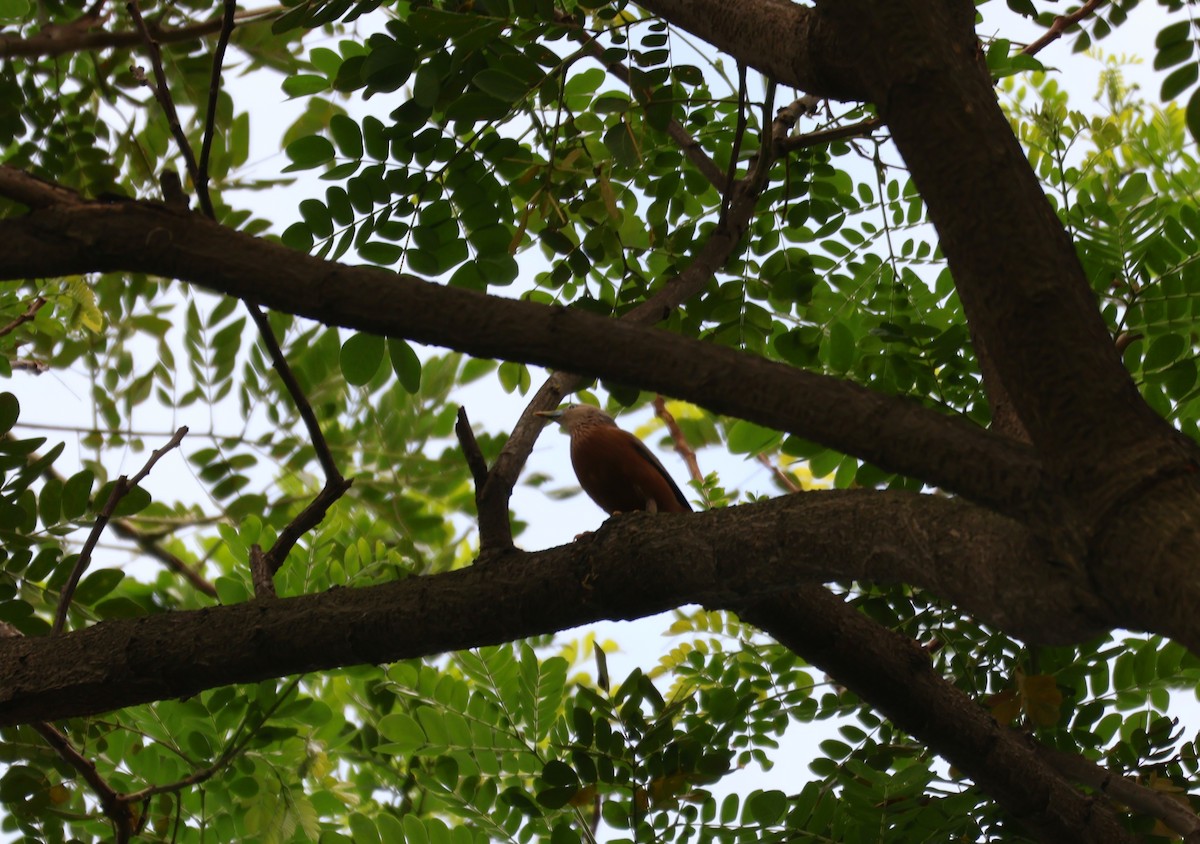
747,438
839,347
10,408
14,10
501,85
405,364
1164,350
347,135
97,584
50,502
309,152
303,85
360,358
404,735
1179,80
766,807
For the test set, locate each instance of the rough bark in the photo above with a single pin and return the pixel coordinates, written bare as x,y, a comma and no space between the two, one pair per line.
148,237
634,566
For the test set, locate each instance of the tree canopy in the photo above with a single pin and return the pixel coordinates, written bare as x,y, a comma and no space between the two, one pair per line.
875,243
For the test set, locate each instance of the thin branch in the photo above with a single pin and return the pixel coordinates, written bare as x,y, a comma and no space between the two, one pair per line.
279,362
30,313
688,144
735,555
335,484
146,237
1061,24
828,136
117,807
149,545
1175,816
474,457
214,90
163,94
120,489
682,446
59,40
236,747
738,134
782,477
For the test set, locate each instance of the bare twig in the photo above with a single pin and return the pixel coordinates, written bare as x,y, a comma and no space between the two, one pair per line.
781,476
1175,816
682,446
149,544
279,362
738,134
475,460
214,90
1061,24
117,807
57,41
335,484
163,94
827,136
120,489
30,313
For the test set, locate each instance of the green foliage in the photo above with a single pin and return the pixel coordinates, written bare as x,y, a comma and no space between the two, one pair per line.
481,144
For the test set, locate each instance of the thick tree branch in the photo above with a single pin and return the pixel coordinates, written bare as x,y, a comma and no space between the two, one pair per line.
1175,816
60,40
896,677
784,40
1014,266
723,558
146,237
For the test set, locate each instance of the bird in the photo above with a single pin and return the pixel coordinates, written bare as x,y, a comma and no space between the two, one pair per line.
614,467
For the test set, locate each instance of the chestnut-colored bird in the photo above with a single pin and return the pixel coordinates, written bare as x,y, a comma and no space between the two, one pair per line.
614,467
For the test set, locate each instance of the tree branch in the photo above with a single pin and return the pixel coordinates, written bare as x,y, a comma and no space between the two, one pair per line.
784,40
162,93
1061,24
117,807
57,41
897,678
719,558
147,237
30,313
214,91
120,489
1176,817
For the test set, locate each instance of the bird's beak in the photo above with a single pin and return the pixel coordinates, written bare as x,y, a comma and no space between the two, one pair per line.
548,414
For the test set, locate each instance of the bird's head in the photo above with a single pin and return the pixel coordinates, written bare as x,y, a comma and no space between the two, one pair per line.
576,416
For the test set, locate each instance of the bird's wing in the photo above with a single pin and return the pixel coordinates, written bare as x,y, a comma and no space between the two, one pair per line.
645,451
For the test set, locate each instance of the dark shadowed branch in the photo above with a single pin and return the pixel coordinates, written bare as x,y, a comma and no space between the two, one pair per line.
71,38
895,676
120,489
